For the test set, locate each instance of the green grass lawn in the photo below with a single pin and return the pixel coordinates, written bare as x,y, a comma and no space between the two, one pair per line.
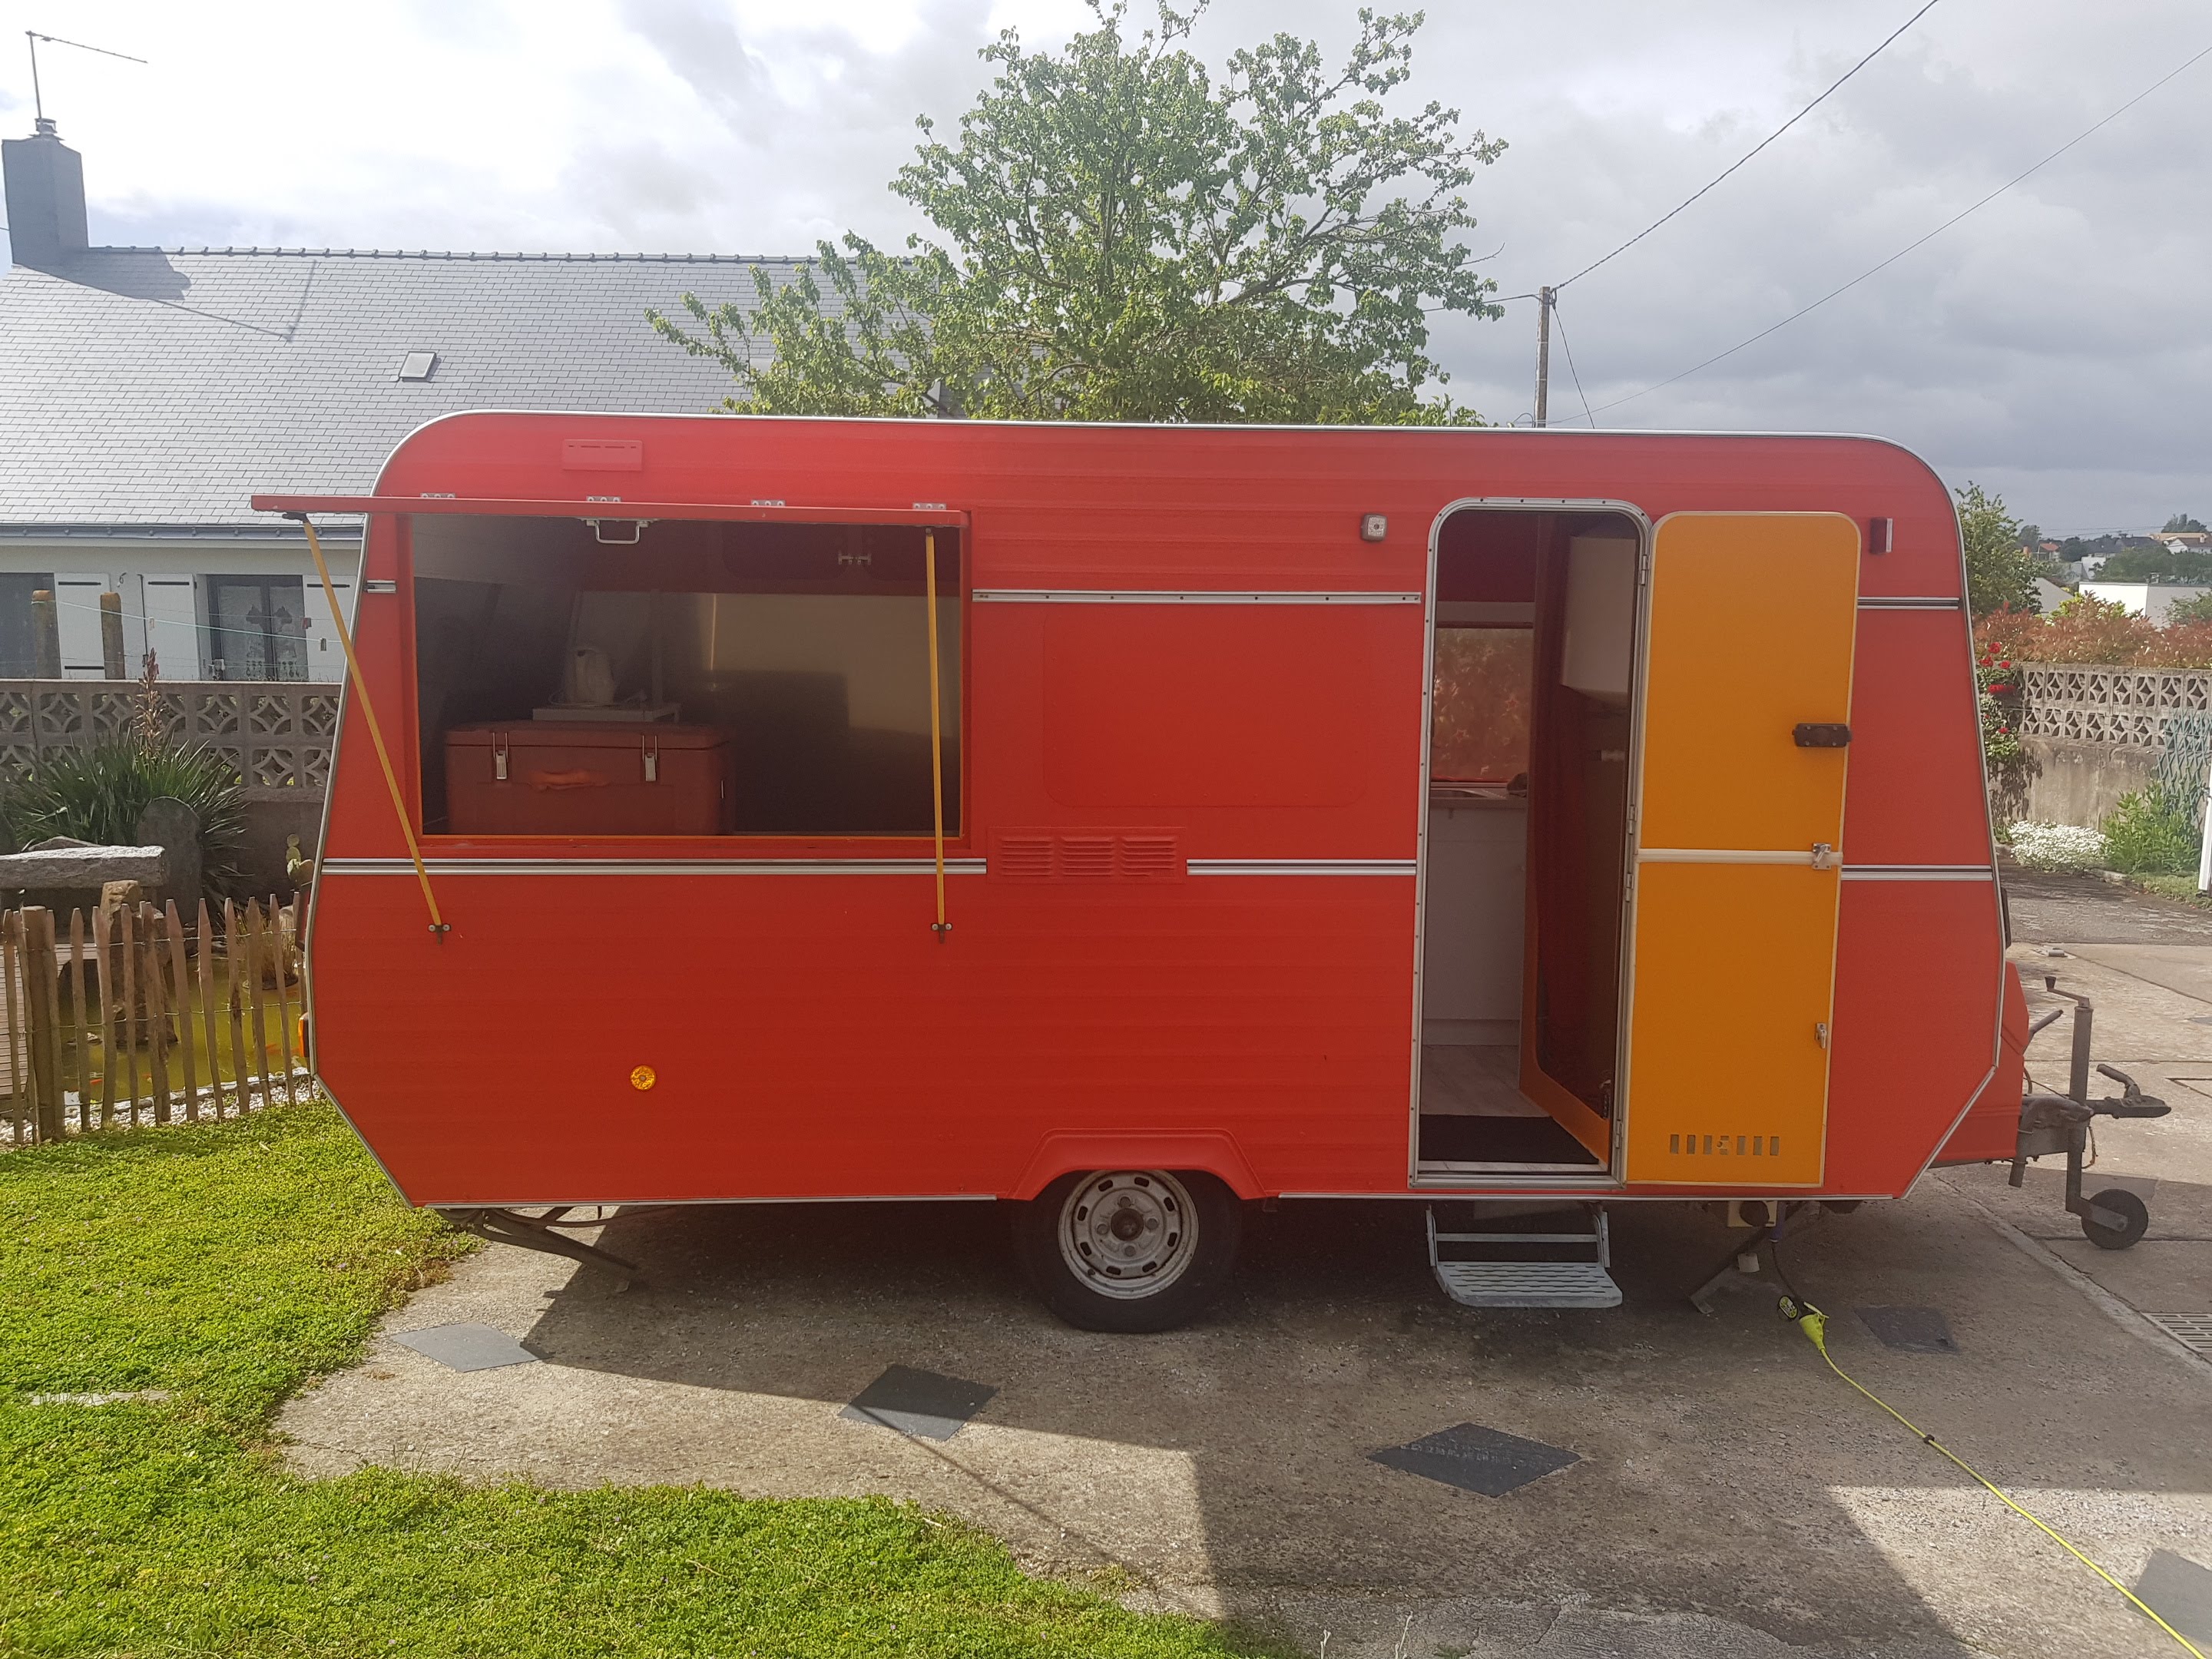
227,1266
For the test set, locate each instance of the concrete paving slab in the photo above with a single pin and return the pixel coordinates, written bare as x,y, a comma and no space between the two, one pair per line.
2186,968
2048,908
2169,1275
1730,1495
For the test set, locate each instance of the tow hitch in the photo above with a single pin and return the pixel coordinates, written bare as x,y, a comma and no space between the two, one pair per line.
2115,1218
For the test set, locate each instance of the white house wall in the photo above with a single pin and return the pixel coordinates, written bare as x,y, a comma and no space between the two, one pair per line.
164,587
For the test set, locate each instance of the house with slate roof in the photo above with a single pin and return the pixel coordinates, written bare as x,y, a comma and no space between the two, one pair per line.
146,392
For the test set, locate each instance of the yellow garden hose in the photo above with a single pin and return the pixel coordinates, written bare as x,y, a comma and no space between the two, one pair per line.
1815,1324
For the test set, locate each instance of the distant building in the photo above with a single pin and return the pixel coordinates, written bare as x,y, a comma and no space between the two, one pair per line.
146,392
2151,600
2049,595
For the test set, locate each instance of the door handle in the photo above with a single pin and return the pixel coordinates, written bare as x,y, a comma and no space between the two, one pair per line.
1817,734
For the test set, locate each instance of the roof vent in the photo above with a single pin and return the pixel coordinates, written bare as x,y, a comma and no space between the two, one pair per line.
418,365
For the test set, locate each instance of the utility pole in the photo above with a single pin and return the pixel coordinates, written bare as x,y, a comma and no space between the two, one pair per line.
1545,297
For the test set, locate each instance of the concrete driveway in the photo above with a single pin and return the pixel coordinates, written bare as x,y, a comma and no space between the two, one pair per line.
1730,1496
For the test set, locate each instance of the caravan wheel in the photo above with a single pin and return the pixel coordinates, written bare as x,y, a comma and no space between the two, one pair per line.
1129,1250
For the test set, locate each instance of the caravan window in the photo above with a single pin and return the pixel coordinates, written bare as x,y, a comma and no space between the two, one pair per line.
1479,731
798,652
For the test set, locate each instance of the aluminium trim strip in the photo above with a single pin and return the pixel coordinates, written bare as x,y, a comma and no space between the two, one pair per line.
1919,872
1146,596
1851,872
451,866
1300,866
1720,855
674,1203
1883,602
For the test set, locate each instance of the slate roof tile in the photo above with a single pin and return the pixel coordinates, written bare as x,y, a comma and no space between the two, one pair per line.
156,386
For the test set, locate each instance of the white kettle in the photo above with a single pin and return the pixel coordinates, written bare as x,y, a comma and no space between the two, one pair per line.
589,681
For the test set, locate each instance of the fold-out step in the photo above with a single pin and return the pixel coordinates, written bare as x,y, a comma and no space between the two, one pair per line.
1494,1270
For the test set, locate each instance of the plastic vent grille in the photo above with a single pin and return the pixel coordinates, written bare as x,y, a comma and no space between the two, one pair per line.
1146,858
1026,858
1148,855
1727,1145
1085,858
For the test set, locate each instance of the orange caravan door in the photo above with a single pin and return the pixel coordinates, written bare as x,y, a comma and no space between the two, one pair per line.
1739,815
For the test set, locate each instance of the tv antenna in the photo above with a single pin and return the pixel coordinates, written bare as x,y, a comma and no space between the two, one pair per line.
41,127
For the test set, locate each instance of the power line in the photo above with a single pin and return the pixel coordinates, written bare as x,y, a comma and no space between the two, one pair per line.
1759,146
1874,270
1559,317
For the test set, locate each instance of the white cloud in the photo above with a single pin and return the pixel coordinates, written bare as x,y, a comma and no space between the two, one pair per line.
2054,345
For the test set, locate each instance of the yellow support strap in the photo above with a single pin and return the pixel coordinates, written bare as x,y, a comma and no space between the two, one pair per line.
438,924
1815,1324
941,927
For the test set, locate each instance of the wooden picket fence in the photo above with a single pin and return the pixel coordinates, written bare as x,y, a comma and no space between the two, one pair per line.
140,1018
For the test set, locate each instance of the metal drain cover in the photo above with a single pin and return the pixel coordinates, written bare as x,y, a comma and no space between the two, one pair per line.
1911,1330
919,1402
2181,1591
2192,1330
1476,1458
466,1347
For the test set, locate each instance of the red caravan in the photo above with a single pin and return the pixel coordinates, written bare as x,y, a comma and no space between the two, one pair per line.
1542,815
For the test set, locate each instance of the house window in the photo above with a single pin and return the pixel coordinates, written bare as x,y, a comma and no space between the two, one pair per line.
19,634
786,664
257,627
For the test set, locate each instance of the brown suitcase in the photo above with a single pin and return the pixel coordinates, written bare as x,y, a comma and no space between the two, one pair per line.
548,778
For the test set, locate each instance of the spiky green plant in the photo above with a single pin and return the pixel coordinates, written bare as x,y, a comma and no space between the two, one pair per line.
97,794
2152,832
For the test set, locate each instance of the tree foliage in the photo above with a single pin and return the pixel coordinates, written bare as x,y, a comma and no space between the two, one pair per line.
2000,572
2155,562
1121,236
2182,521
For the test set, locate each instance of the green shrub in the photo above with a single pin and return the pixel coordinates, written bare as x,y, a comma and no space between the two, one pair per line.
2152,832
97,794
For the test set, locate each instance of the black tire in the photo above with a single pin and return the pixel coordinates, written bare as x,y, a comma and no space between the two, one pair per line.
2122,1202
1130,1250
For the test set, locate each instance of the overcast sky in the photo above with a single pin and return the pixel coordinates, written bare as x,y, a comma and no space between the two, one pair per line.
2055,346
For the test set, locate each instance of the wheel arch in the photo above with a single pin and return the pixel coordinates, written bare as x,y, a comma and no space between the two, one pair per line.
1212,1152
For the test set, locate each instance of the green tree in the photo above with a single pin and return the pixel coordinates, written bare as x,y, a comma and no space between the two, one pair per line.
2197,609
2000,573
2182,521
2155,562
1121,236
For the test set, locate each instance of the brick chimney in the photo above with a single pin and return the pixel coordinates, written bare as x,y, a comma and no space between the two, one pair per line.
46,198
